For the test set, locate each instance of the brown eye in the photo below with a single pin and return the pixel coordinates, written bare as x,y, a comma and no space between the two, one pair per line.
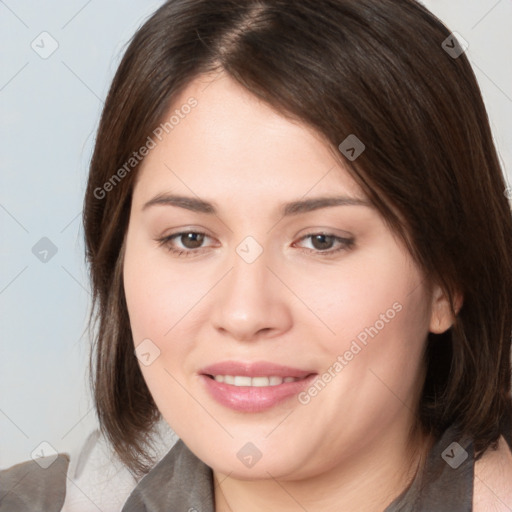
326,244
192,240
322,242
190,243
185,243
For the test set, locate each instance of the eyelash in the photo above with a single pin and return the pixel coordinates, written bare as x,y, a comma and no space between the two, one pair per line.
345,244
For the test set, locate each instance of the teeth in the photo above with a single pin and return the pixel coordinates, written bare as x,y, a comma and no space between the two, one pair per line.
256,381
242,380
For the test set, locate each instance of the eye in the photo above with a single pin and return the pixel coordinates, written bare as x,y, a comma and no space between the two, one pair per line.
190,243
191,240
327,243
185,243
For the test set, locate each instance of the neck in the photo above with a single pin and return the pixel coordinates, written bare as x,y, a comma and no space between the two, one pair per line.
367,483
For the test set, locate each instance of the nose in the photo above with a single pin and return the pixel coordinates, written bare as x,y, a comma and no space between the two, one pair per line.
250,302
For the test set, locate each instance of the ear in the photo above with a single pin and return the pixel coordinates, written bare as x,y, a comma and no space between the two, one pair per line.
441,318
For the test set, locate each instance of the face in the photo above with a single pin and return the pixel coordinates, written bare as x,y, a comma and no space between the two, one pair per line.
233,260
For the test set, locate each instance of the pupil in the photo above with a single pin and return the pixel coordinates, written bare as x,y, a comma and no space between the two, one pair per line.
325,241
192,240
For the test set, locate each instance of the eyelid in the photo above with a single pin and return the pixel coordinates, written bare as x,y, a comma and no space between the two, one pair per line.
185,230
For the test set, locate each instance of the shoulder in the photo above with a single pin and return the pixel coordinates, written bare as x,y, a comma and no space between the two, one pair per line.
492,490
91,472
38,484
96,474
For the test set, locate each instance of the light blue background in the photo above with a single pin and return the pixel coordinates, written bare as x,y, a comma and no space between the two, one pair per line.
49,113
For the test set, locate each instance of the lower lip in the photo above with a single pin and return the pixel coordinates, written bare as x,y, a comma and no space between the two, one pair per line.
253,398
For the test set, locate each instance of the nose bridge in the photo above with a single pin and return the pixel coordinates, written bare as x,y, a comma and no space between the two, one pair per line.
247,282
249,300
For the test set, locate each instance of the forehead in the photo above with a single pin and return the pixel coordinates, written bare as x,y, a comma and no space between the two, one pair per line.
232,143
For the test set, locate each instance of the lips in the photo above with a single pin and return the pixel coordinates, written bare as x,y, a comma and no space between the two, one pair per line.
254,369
284,382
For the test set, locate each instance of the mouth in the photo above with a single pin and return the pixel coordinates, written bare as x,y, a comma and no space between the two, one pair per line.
254,369
253,386
257,382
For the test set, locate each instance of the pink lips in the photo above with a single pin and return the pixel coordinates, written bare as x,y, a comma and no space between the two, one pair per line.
250,398
256,369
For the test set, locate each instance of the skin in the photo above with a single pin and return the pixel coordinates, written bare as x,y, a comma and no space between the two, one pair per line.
492,491
350,447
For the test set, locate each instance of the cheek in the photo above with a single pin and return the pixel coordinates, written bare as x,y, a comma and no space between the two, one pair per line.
158,298
372,364
370,293
148,304
158,303
166,307
375,315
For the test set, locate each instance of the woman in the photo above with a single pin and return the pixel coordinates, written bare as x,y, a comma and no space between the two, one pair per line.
300,249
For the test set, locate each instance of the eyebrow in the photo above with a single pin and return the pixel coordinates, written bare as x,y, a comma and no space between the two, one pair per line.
291,208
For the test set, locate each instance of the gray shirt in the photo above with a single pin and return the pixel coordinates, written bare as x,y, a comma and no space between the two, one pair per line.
181,482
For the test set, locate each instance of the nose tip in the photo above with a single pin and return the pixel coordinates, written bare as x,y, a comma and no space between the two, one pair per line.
243,330
250,302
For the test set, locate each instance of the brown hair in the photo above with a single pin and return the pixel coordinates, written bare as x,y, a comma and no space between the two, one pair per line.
374,68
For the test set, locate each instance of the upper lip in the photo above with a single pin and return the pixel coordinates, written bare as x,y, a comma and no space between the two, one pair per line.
254,369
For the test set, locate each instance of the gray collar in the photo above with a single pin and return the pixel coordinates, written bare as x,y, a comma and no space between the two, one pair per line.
181,482
446,482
